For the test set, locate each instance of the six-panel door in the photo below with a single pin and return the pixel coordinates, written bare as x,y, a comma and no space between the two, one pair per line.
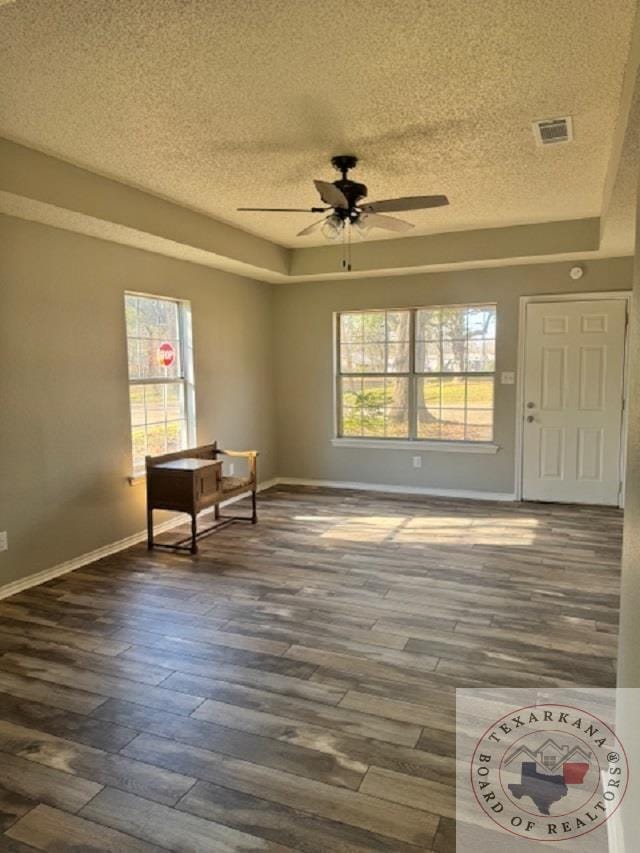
573,392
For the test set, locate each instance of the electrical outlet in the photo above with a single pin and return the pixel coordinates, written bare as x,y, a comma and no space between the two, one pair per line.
508,377
417,461
4,543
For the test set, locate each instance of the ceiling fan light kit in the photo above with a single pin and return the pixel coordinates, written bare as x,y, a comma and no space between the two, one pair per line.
349,213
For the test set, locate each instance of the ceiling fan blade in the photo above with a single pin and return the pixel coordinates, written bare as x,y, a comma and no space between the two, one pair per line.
389,223
285,209
311,228
414,202
330,194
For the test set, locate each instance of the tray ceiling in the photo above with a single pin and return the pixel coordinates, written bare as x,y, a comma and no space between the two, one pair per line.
219,104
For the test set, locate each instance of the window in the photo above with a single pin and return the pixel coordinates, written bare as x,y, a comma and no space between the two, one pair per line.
425,373
161,392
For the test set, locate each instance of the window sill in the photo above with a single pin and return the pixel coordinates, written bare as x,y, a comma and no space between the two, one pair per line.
404,444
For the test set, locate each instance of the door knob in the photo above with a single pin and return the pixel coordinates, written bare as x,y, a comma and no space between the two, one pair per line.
530,419
531,405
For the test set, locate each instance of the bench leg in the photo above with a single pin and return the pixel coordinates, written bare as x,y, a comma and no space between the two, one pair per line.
194,543
149,529
254,514
216,512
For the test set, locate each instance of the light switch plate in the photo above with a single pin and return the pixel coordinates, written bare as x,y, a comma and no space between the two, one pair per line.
4,544
508,377
417,461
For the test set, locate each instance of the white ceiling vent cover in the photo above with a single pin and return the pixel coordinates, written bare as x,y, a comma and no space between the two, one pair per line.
551,131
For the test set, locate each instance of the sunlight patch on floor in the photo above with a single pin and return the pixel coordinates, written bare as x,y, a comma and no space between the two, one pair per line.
431,529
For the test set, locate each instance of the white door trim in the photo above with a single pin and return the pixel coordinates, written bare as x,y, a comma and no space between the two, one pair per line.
520,369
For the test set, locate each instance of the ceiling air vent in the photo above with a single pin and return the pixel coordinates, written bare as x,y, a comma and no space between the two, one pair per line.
551,131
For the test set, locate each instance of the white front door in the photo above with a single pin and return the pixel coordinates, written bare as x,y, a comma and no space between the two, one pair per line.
573,392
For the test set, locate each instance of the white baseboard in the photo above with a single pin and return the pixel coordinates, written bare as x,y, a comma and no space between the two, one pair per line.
106,550
401,490
84,559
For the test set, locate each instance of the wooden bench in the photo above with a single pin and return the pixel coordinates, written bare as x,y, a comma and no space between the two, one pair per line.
191,481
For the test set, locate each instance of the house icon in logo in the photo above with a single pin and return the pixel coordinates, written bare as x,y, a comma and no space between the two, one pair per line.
550,756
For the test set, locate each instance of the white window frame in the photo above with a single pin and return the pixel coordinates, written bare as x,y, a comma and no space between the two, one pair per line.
187,379
412,442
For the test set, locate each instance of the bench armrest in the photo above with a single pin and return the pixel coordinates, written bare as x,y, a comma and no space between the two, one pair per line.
250,455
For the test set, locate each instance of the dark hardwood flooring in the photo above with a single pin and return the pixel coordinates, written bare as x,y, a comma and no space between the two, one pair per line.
293,686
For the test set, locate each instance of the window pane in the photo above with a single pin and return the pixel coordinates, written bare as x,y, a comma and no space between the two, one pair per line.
396,413
441,424
452,424
480,392
351,392
481,321
375,342
428,423
454,356
429,392
428,324
398,357
176,435
139,442
453,392
375,407
351,421
398,326
374,327
374,358
351,358
466,334
351,328
453,322
157,318
131,314
481,356
155,404
133,355
156,439
429,357
479,425
455,408
175,402
158,419
136,399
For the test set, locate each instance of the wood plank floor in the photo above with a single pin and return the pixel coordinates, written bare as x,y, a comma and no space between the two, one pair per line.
292,687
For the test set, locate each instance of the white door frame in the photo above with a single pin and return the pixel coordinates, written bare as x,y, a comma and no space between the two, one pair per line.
520,373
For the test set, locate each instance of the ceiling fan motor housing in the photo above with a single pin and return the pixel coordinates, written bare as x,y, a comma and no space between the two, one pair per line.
353,192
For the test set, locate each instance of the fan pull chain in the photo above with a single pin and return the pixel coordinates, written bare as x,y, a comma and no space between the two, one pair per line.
345,263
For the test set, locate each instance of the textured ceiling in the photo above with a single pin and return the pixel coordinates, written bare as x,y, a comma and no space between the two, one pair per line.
221,103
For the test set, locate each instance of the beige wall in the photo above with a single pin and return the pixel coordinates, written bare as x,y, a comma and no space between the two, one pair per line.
263,359
304,358
64,423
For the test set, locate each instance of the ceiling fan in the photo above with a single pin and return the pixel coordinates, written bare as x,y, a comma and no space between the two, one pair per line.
344,199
